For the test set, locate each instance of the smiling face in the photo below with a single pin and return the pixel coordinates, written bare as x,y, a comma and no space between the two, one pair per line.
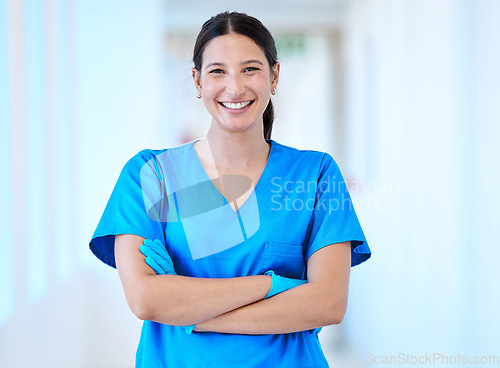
235,82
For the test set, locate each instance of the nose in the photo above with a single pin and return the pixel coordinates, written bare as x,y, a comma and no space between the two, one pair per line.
235,86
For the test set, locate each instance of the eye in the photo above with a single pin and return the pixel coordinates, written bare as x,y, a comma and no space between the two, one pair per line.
251,69
216,71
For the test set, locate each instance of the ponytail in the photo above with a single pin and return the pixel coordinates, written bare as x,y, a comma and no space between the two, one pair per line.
268,118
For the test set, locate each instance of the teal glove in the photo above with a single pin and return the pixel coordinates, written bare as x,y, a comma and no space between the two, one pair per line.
157,257
280,283
159,260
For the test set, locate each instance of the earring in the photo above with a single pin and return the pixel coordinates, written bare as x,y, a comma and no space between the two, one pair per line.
198,95
273,92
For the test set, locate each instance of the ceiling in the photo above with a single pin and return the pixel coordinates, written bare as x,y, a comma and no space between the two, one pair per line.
277,15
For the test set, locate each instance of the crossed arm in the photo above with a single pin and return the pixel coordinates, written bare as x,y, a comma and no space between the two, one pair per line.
213,304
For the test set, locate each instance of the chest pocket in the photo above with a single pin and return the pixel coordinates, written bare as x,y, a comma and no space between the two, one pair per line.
284,259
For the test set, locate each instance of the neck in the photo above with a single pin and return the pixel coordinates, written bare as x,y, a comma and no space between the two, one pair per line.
237,150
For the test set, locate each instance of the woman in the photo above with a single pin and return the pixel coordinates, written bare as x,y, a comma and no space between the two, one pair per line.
248,242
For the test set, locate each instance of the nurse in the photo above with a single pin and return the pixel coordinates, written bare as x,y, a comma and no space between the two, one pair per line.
248,242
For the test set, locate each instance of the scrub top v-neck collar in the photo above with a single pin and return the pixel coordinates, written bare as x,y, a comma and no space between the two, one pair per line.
262,177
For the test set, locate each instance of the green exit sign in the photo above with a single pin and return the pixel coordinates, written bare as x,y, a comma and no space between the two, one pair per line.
291,44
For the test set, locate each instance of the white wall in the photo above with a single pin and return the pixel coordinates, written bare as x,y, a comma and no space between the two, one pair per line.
422,114
81,92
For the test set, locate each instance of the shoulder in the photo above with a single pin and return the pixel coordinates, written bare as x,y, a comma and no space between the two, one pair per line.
141,159
319,159
147,155
150,159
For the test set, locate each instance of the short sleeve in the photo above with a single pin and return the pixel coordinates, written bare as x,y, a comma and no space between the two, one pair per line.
333,217
128,210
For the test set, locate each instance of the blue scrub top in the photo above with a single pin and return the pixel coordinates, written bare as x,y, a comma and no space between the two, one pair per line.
299,205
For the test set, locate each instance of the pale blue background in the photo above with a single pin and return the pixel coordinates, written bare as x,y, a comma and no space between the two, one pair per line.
403,93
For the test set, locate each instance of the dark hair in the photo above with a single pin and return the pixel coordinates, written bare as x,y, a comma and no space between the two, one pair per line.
225,23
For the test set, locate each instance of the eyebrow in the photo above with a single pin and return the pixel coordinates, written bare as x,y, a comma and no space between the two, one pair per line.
243,63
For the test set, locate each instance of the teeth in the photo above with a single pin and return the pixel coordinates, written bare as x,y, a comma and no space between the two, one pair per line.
236,106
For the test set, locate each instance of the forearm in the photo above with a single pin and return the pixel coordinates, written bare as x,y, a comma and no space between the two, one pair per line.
302,308
180,300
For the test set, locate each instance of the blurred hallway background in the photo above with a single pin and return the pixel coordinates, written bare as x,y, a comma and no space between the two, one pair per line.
403,93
